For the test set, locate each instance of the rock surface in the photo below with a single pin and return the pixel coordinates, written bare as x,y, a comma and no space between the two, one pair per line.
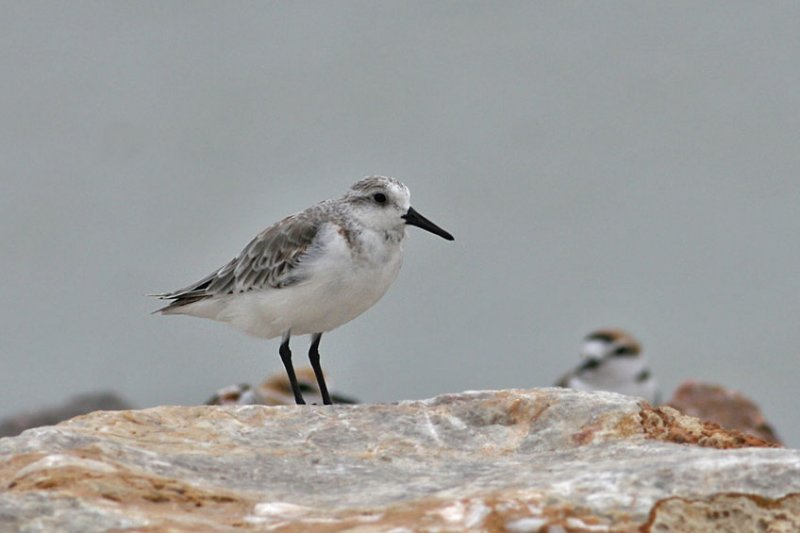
542,459
726,407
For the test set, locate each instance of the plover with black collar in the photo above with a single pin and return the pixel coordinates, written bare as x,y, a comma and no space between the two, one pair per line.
311,272
613,361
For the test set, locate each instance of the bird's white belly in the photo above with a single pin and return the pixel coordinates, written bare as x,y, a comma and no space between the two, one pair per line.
339,287
647,389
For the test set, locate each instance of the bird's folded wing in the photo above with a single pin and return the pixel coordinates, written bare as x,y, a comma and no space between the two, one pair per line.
270,260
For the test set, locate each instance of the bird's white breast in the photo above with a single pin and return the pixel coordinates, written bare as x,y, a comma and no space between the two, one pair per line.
340,282
617,375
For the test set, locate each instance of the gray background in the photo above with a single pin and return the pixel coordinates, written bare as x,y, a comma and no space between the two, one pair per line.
619,163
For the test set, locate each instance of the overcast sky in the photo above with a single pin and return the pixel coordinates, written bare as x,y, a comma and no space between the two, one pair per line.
621,164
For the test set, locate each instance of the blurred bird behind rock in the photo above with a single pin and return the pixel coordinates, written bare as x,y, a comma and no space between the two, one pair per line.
612,360
47,416
276,390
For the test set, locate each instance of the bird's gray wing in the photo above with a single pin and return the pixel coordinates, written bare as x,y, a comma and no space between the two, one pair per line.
270,260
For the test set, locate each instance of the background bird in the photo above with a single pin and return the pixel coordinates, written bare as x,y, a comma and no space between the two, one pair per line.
613,361
312,271
276,390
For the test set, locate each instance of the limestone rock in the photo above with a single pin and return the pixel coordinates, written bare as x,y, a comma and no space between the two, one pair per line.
726,407
503,460
727,513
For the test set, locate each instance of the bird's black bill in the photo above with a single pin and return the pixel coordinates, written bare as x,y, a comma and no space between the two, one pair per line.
415,219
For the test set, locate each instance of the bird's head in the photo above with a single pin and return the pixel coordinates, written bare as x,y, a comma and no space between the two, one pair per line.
384,204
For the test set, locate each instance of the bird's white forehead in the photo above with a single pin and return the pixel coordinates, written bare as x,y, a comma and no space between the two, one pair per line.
595,349
380,182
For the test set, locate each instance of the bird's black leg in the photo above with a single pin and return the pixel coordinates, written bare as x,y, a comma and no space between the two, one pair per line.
286,357
313,356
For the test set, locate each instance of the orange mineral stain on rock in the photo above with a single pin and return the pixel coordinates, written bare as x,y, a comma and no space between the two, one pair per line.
670,425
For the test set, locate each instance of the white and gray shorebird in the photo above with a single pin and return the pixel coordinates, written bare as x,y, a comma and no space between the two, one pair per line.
311,272
613,361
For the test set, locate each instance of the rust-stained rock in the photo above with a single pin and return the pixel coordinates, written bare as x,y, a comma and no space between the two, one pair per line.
492,461
728,408
670,425
726,513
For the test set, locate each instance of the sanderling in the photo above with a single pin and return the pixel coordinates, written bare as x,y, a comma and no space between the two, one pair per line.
276,390
312,271
612,361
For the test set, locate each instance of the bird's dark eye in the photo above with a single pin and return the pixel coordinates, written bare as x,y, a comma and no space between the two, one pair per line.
624,350
379,197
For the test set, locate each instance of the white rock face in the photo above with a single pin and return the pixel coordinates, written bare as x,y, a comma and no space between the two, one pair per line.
502,460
